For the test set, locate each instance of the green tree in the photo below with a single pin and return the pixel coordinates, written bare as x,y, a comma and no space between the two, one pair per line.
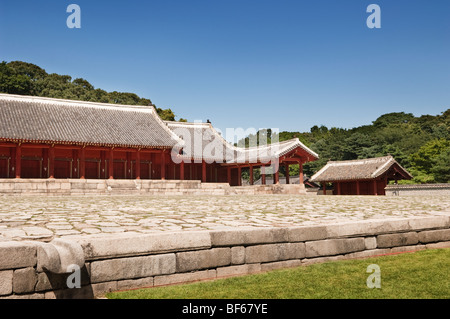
441,167
393,118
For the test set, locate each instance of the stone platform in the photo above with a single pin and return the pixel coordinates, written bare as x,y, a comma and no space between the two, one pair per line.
137,186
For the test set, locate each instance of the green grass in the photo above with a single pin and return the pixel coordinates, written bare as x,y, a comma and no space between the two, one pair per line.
422,275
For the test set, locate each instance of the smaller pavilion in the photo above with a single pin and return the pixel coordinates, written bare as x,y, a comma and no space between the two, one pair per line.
367,176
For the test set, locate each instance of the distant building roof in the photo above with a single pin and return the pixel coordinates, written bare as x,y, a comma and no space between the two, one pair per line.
360,169
202,140
46,120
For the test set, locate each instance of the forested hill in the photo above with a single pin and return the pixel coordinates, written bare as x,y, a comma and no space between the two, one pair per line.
24,78
420,144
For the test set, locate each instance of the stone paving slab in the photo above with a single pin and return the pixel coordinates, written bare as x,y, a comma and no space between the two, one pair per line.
45,218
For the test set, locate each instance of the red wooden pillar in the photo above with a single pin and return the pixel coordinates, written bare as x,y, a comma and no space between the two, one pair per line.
163,164
324,186
251,174
203,171
300,173
263,175
45,163
82,172
12,167
18,160
138,164
229,175
239,176
276,176
375,190
102,164
51,165
74,172
286,169
357,188
111,163
127,165
182,170
338,188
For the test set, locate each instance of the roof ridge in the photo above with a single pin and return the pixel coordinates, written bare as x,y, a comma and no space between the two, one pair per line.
43,99
370,159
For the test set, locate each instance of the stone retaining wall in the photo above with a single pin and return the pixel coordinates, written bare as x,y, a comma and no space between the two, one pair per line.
417,189
127,261
137,186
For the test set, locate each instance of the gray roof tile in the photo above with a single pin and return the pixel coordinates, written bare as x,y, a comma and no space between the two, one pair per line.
38,119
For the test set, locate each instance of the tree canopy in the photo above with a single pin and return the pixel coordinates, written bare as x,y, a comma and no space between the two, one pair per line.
420,144
24,78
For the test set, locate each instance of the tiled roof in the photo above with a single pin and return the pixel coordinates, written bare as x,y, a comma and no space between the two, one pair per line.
202,140
275,150
46,120
369,168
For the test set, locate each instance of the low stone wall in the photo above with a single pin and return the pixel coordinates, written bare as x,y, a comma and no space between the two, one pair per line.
110,263
137,186
417,189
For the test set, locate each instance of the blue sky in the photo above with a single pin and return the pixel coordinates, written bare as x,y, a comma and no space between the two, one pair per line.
249,63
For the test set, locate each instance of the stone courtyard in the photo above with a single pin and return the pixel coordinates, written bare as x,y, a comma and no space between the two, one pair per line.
45,218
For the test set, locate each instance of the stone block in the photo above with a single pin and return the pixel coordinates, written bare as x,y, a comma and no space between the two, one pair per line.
6,186
430,236
367,227
238,270
184,277
203,259
17,255
248,236
274,252
102,288
135,283
405,249
25,186
65,186
281,264
24,280
237,255
52,281
26,296
6,282
310,261
418,223
370,242
306,233
330,247
368,253
139,244
440,245
132,267
400,239
85,292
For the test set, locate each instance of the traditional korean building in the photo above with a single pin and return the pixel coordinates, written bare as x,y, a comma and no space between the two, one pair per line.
53,138
220,161
367,176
